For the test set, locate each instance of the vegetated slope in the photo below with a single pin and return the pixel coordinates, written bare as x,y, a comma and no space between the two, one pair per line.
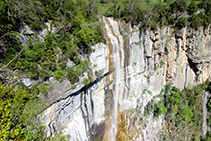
18,115
77,28
151,14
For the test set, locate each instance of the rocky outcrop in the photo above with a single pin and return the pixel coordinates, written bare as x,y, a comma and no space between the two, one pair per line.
25,33
132,61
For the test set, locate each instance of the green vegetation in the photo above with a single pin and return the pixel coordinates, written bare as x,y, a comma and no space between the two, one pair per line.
44,87
167,12
162,63
192,7
73,73
58,73
18,115
134,64
73,86
141,72
78,27
99,73
88,80
155,68
181,108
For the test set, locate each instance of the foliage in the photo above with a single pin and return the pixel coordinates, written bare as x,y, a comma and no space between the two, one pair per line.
192,7
160,109
72,75
38,60
162,63
182,112
134,64
196,21
148,109
44,87
73,86
88,80
207,137
182,22
178,6
127,10
186,114
77,28
180,108
99,73
18,115
168,12
180,129
58,73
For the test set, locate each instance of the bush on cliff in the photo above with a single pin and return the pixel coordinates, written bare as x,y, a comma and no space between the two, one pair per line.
19,118
181,109
192,8
18,111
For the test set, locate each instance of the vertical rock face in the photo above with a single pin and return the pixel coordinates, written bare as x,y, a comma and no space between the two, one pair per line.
128,64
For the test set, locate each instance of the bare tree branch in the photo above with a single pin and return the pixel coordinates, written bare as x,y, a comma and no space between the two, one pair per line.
12,60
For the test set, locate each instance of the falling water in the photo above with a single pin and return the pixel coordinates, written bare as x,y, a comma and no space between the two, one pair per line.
116,61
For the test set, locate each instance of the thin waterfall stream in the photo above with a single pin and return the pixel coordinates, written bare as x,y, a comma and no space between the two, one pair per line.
116,62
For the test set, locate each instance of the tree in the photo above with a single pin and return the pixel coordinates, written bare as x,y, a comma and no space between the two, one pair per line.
192,7
178,7
18,111
205,4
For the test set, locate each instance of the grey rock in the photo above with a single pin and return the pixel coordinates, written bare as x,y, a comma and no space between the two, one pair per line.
27,82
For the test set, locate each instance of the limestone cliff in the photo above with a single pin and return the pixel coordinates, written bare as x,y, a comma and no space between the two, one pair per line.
128,64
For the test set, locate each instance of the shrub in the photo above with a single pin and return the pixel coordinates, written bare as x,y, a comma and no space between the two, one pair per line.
192,7
182,22
205,4
44,73
43,88
35,26
160,109
162,63
72,75
63,64
154,27
186,114
98,73
58,73
88,80
73,86
148,109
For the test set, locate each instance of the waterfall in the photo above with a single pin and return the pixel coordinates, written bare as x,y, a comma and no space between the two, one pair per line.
116,61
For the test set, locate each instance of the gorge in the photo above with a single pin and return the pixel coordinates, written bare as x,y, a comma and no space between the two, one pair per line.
129,71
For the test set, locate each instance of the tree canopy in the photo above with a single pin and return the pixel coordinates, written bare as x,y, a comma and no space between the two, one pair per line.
18,111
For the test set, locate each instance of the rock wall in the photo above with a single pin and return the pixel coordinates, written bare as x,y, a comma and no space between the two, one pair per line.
147,61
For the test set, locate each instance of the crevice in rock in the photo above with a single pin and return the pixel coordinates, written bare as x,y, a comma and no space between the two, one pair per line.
83,113
186,76
92,102
84,88
193,66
